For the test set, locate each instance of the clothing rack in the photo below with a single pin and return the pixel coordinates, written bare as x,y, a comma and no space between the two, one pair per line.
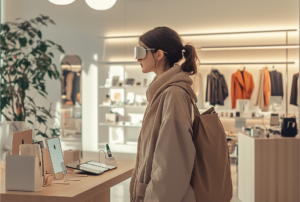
282,46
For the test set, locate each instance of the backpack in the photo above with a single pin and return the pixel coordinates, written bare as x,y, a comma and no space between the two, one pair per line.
211,176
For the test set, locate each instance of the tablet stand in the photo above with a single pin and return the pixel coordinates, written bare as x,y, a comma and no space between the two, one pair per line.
108,160
65,173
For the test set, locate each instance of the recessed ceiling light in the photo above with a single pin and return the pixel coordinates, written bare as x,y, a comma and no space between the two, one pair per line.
61,2
100,4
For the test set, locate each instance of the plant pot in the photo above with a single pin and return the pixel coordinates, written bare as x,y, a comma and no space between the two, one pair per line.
7,129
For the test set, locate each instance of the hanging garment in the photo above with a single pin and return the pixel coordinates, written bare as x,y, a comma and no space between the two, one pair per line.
216,89
260,99
294,91
276,83
64,80
75,88
267,86
69,85
298,91
166,152
242,86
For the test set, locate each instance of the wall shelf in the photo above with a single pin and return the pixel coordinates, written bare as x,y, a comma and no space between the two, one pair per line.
121,106
212,33
118,87
120,148
119,125
70,139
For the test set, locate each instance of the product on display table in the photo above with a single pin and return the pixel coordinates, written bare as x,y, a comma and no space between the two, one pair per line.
92,167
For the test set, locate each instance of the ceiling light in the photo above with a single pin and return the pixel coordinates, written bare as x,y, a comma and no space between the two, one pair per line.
61,2
100,4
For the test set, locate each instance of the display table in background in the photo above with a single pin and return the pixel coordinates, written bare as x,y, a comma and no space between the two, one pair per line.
90,189
268,169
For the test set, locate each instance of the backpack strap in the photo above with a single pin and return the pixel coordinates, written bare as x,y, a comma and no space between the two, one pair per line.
209,111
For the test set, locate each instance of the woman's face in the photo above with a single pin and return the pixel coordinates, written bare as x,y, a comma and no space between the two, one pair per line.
147,64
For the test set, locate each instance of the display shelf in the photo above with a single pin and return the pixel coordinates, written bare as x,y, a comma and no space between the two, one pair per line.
70,139
244,118
120,148
231,137
118,87
121,106
119,125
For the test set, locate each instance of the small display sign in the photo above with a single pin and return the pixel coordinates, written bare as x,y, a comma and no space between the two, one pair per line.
240,123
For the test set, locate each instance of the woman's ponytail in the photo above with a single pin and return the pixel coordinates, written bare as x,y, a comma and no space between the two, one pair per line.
191,58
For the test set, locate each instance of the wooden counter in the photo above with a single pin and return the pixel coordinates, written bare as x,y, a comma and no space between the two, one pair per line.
89,189
268,169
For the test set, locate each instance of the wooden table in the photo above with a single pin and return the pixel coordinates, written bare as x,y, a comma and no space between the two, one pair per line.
89,189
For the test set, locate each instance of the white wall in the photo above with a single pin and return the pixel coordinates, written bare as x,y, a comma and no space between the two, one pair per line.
78,27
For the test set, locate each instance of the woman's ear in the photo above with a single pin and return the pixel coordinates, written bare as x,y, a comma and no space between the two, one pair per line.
160,54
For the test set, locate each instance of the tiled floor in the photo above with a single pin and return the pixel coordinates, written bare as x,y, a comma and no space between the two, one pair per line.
120,192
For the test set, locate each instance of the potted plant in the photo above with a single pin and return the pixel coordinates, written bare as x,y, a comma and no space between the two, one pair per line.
26,61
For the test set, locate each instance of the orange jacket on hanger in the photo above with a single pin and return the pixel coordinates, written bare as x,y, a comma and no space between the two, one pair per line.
267,86
241,86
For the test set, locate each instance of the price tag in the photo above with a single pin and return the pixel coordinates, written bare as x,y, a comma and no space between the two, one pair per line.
240,123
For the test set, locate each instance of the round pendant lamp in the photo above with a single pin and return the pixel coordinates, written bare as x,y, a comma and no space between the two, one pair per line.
100,4
61,2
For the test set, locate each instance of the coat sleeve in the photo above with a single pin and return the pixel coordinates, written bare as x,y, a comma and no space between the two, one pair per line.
252,84
207,98
174,154
224,88
232,92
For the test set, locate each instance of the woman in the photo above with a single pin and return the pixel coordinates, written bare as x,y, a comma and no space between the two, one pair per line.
166,152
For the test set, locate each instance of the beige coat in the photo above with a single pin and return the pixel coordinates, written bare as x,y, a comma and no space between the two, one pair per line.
264,90
166,152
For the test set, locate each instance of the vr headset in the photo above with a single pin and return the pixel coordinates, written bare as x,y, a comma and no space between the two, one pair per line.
140,52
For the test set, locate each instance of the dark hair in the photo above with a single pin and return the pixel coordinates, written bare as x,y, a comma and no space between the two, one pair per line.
166,39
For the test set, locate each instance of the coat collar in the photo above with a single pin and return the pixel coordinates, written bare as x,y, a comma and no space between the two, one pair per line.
169,77
240,77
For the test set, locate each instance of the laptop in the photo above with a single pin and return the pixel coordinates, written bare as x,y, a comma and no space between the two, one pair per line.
24,137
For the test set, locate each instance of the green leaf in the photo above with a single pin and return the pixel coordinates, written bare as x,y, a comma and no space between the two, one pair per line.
42,94
50,42
30,122
60,49
51,54
50,74
43,47
52,22
42,134
31,100
5,28
23,41
39,33
31,41
2,40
